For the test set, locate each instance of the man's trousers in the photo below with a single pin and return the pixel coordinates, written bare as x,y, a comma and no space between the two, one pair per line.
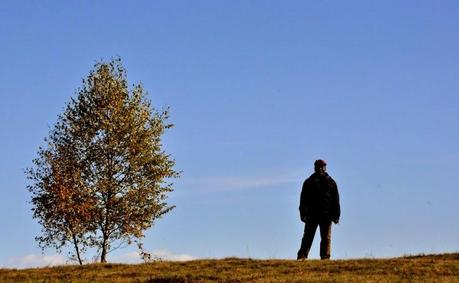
308,236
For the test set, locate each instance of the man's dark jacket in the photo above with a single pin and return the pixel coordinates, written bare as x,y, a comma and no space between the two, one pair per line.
319,198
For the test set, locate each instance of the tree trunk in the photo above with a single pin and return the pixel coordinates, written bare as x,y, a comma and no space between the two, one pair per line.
77,250
103,256
75,242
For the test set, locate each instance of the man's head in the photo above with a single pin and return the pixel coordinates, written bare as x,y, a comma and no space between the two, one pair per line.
320,166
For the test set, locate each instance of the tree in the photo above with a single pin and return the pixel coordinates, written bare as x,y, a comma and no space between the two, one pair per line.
63,205
103,177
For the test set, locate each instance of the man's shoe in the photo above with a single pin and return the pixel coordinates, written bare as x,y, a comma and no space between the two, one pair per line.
301,257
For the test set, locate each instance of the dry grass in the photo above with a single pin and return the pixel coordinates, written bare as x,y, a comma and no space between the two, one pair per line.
430,268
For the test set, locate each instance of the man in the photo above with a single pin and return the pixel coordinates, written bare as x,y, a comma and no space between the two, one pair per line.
319,206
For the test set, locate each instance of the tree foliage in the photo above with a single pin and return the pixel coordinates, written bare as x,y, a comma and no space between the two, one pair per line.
103,176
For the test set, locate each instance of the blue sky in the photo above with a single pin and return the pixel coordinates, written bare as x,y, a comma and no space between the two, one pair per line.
258,90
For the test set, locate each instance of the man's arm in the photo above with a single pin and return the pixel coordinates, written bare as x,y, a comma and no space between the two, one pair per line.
336,205
303,202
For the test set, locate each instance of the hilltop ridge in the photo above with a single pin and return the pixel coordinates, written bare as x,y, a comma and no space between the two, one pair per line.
429,268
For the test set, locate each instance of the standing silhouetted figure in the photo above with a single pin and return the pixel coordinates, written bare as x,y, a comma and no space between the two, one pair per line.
319,206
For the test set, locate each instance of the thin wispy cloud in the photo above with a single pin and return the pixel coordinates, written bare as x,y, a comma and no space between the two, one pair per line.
162,254
35,260
225,183
42,260
168,255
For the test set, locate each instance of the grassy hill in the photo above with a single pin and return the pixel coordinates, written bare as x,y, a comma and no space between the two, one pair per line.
429,268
